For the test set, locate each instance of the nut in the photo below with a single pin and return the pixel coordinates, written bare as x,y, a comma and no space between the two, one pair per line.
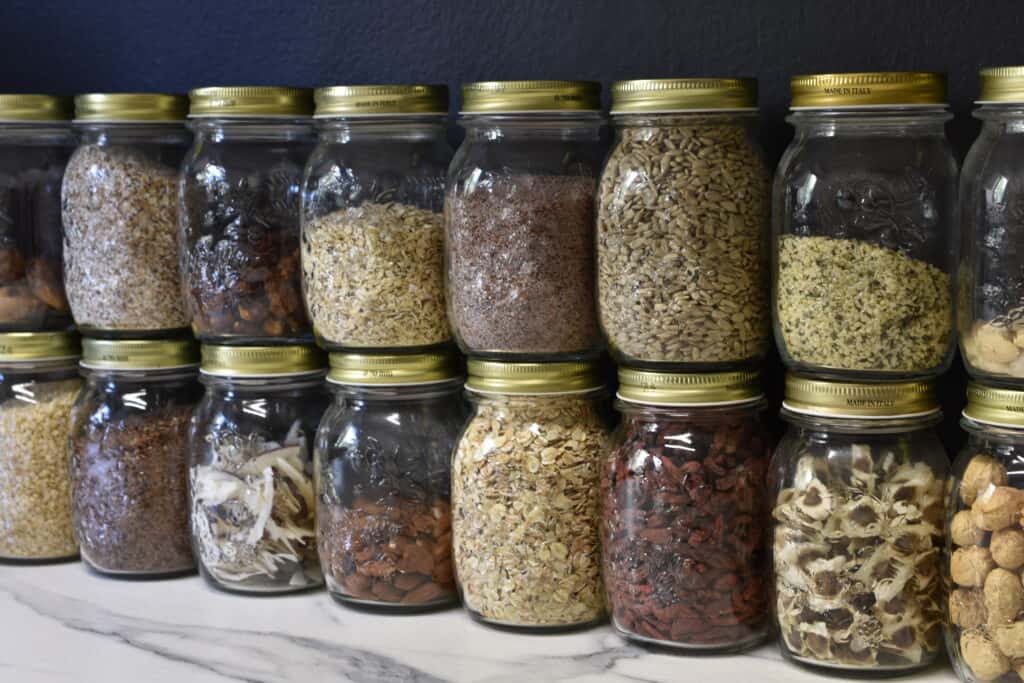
981,472
1004,597
1007,548
982,656
963,530
996,507
969,566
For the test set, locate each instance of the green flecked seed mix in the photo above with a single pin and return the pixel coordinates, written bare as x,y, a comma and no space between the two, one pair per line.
851,305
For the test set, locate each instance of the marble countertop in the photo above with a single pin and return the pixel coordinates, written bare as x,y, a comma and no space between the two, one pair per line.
61,623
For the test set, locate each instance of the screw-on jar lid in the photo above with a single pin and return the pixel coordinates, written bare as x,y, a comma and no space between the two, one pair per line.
134,106
391,369
892,88
509,97
497,377
15,107
138,354
683,94
682,389
254,101
261,361
828,398
1002,84
375,100
991,405
16,347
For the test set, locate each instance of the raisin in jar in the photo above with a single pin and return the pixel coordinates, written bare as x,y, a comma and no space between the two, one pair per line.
241,187
683,530
383,464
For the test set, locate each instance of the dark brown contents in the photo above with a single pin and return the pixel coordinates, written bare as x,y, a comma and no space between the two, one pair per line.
129,490
684,531
520,253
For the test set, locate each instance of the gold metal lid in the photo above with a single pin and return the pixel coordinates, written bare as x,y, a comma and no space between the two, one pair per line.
391,369
673,388
374,100
135,106
525,96
1002,84
995,406
531,378
250,101
900,88
681,94
138,354
14,107
854,399
261,361
33,346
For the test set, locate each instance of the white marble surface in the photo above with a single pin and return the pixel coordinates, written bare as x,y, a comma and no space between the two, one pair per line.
61,624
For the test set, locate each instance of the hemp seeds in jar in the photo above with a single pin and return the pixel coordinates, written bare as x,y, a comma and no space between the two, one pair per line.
38,385
682,225
525,501
251,489
865,215
120,209
372,225
129,455
519,221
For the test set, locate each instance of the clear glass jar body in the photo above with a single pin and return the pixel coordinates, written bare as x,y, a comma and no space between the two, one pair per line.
526,510
33,157
120,211
865,228
856,533
373,233
251,482
683,530
684,208
985,555
35,487
240,196
129,456
519,236
991,303
383,462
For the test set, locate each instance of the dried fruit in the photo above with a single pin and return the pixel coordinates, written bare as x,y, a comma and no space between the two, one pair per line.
982,656
969,566
1007,548
964,531
982,472
997,507
1004,597
967,608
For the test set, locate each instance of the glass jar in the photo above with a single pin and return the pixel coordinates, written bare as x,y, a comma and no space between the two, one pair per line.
858,483
251,472
129,455
241,187
684,206
519,221
984,540
372,225
865,228
38,385
685,562
526,508
120,209
35,142
991,303
383,464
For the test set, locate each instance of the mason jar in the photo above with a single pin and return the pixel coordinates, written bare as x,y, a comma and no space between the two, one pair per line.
241,187
35,142
251,489
129,455
984,540
383,465
526,508
865,229
120,210
38,385
991,303
857,487
372,224
682,226
519,221
685,562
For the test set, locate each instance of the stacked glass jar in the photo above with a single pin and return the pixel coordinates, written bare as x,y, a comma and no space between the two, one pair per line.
682,272
864,251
